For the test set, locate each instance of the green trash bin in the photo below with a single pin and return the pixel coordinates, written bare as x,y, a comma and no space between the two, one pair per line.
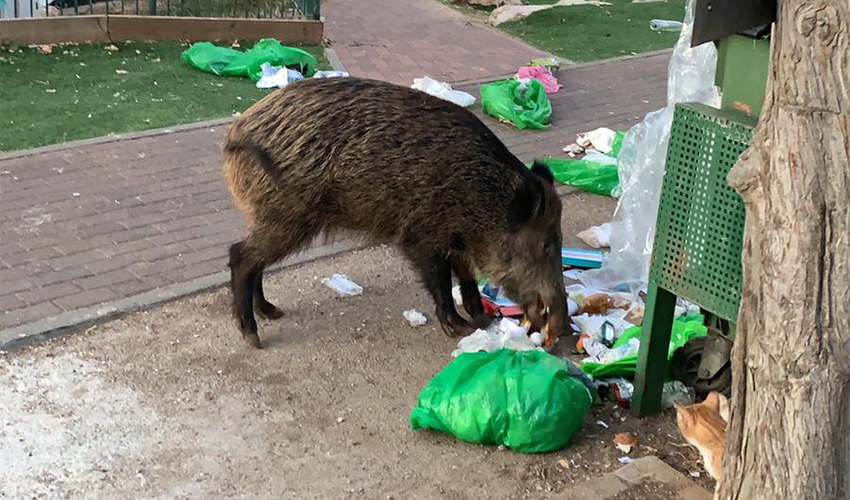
698,239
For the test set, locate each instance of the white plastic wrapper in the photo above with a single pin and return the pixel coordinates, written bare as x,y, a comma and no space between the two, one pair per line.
414,317
276,76
597,236
342,285
690,78
443,91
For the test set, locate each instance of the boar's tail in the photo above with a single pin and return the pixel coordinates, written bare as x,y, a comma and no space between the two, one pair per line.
263,157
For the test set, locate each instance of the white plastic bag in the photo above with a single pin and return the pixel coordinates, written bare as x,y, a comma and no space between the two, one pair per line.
276,76
443,91
690,78
330,74
601,139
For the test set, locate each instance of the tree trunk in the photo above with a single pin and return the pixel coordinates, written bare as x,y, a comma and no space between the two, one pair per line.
789,431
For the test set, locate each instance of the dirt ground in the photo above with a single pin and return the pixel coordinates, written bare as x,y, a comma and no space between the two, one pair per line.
170,403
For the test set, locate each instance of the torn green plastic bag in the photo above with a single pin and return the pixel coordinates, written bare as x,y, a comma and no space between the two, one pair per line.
223,61
586,175
684,329
523,104
524,400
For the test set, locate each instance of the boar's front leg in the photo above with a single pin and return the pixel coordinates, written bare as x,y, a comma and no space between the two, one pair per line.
436,271
469,292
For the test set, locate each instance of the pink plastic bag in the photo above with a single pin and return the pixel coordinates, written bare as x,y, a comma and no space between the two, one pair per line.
540,73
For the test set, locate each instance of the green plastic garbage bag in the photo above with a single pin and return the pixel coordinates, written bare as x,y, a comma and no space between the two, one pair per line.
618,144
524,400
523,104
223,61
586,175
684,329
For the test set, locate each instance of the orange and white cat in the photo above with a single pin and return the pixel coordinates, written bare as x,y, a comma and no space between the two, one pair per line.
704,426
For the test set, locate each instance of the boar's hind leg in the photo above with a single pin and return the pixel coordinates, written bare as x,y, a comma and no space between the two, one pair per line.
266,309
469,292
244,268
437,274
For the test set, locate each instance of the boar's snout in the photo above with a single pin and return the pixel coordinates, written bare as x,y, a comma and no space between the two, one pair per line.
530,254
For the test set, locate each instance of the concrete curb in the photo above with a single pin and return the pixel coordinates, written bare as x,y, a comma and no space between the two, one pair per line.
72,321
116,138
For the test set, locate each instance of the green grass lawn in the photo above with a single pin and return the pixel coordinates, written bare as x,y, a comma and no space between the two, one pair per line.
589,33
83,91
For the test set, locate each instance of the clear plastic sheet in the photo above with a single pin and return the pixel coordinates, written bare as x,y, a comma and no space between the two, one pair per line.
690,78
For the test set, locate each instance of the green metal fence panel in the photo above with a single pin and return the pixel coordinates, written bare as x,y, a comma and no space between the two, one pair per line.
699,231
310,9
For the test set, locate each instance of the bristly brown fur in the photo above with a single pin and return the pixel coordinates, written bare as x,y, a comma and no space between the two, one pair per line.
399,165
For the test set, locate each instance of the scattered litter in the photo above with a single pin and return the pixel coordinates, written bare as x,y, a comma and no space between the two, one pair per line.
550,63
45,49
537,338
572,274
542,75
522,103
597,236
442,90
625,441
415,318
665,25
684,329
111,48
506,334
341,284
601,423
579,257
694,474
121,71
50,91
621,391
676,392
601,139
276,76
476,398
340,420
573,150
495,301
330,74
564,464
598,303
225,61
626,460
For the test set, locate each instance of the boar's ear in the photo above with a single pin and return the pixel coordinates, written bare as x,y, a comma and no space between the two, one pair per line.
543,171
526,203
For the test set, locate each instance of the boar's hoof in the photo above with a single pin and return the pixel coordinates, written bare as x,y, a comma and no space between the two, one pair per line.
481,321
253,340
269,311
455,327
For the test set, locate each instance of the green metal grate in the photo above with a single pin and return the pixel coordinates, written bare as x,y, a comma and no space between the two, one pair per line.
699,236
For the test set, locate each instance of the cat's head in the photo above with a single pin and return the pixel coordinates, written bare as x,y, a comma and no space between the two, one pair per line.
686,415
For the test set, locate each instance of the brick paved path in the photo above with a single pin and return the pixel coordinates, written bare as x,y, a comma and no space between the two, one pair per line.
89,223
399,40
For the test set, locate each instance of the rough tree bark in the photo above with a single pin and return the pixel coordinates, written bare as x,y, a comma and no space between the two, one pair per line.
789,431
